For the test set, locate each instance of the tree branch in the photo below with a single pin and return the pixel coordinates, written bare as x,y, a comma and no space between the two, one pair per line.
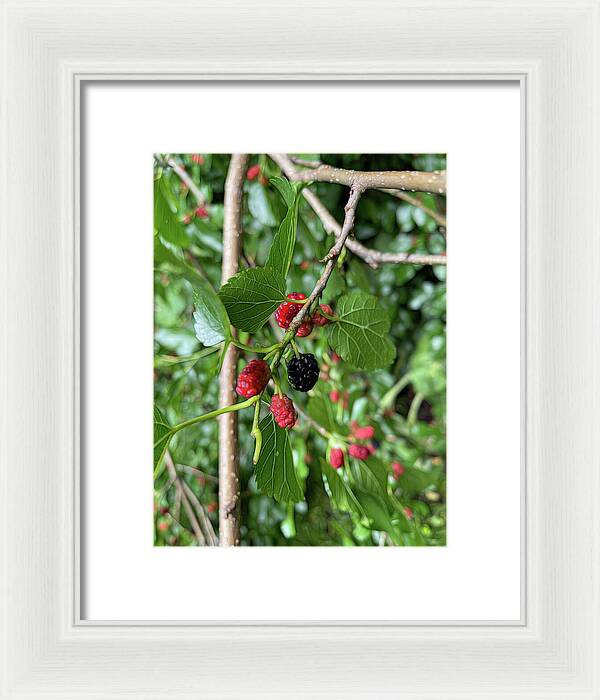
438,218
330,259
317,426
207,526
412,180
184,176
330,224
229,468
184,501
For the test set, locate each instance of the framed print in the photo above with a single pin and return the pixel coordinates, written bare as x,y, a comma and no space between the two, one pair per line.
300,331
280,532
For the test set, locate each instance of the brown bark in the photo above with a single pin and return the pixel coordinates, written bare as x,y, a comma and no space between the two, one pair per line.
411,180
229,468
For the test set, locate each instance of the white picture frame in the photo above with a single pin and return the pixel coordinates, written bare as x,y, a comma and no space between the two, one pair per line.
49,50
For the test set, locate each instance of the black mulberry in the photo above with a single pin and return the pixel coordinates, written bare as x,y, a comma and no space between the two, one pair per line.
303,372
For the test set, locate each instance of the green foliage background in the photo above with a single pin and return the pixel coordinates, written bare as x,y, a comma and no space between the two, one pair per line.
409,420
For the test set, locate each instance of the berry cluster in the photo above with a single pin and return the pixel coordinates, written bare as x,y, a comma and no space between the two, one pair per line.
287,311
303,370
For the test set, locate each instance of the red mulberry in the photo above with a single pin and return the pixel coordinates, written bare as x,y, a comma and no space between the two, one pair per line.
358,451
320,320
336,457
286,312
253,378
283,411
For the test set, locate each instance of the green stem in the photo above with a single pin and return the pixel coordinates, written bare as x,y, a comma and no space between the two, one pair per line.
215,413
168,360
414,408
273,352
390,396
256,434
255,349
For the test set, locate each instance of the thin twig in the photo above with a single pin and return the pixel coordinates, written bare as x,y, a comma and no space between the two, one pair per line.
330,259
317,426
330,224
198,472
306,163
439,219
186,504
183,175
211,535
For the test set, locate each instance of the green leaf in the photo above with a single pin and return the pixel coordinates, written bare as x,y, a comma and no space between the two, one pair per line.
165,221
376,510
342,495
165,257
259,205
320,409
336,485
211,322
282,248
285,189
251,296
360,336
162,436
415,480
371,474
275,473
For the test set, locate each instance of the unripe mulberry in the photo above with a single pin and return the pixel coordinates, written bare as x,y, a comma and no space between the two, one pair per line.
283,411
336,457
253,378
397,469
358,451
286,312
320,320
362,432
253,172
304,329
202,212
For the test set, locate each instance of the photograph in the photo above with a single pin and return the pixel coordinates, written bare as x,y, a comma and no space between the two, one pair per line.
299,349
